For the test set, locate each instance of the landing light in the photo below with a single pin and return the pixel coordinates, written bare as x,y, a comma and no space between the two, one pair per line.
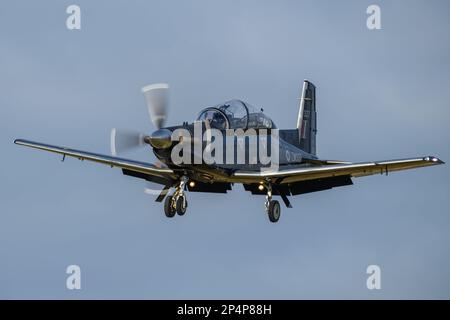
261,187
192,184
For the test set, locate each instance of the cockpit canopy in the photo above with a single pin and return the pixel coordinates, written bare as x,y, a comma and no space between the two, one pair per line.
235,114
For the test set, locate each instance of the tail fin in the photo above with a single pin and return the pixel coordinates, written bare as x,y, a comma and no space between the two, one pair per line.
307,118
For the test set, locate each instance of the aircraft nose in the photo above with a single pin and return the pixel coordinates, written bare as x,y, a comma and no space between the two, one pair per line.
161,139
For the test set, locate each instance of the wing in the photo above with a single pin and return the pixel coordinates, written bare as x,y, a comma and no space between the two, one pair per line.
336,170
142,168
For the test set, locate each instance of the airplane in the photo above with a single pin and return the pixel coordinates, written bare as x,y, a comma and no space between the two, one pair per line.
299,169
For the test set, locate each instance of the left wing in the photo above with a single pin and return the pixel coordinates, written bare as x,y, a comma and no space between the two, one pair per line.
125,164
335,170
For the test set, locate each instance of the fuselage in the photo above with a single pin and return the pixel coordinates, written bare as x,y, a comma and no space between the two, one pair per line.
250,152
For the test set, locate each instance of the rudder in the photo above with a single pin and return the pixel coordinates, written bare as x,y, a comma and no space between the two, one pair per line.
307,118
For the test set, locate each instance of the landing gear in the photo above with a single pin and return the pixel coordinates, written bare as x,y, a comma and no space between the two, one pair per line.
272,206
181,205
169,209
176,203
274,211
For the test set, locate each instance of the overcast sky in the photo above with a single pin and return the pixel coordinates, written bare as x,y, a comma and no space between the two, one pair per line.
381,94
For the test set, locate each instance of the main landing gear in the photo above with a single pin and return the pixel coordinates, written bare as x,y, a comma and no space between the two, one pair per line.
272,206
176,203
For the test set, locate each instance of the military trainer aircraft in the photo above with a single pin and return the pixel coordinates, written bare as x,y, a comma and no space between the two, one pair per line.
298,170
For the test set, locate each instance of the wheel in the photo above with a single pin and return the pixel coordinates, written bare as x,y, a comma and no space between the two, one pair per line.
274,211
169,210
181,205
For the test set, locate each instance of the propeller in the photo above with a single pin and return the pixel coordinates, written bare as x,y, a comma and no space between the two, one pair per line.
156,96
125,140
157,99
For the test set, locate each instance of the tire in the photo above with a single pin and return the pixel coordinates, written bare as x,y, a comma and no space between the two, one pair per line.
169,210
181,205
274,211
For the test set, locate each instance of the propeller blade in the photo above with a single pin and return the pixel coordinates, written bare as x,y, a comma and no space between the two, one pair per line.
125,140
157,97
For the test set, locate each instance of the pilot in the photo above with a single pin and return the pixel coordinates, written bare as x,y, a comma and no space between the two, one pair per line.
218,121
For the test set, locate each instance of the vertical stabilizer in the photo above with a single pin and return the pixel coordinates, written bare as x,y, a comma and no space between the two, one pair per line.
307,118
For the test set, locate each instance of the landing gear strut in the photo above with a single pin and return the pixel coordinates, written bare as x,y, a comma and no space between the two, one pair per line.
272,206
176,203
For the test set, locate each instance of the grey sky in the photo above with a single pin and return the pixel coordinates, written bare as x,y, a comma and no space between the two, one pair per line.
381,95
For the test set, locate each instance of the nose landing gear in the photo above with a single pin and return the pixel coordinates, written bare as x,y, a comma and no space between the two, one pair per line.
176,203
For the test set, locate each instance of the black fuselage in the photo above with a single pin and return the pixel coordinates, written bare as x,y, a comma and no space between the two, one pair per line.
288,153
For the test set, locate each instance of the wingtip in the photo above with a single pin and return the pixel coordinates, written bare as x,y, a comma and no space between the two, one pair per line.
22,142
434,159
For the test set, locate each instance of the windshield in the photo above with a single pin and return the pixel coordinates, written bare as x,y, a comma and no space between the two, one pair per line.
216,118
236,114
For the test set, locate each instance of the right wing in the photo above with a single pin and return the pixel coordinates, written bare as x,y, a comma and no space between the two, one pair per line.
335,170
125,164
